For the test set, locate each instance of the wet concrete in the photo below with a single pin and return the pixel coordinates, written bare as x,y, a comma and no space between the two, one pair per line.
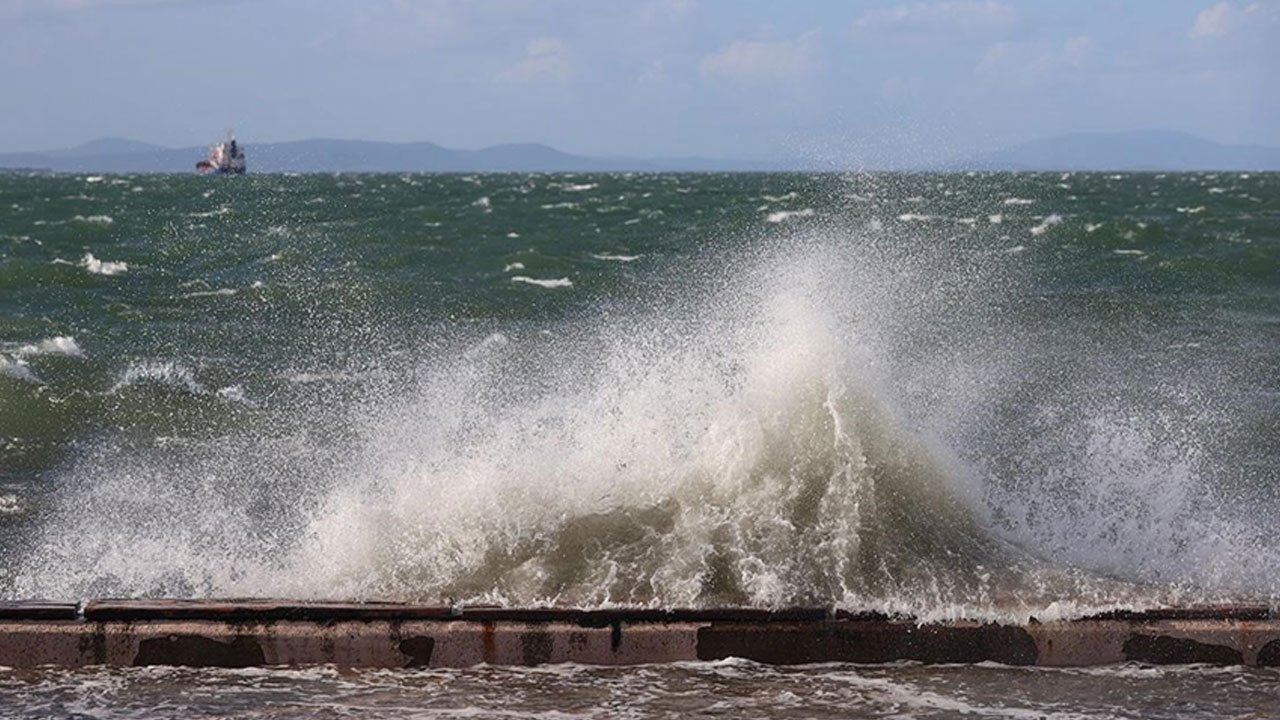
234,633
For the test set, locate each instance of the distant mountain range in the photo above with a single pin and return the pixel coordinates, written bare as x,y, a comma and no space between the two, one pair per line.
323,155
1140,150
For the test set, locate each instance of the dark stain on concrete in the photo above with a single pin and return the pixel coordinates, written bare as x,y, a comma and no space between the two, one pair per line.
535,647
866,642
418,649
1165,650
200,651
488,642
93,645
615,635
1269,655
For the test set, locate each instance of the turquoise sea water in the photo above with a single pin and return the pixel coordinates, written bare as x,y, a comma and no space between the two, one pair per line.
987,395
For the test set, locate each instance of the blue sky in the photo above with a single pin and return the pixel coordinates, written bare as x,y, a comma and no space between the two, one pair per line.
876,82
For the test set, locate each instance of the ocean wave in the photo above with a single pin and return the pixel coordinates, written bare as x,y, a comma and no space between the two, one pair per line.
220,292
16,367
11,504
616,257
544,282
103,267
61,345
94,219
784,215
166,374
1045,224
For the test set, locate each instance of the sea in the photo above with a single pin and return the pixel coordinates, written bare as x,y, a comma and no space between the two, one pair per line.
1010,397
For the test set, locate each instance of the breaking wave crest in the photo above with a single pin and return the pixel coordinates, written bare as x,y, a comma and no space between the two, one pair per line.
819,425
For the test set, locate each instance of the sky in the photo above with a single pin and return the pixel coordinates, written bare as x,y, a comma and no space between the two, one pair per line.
856,81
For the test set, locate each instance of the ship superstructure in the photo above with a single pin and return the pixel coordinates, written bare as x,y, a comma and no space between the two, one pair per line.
226,157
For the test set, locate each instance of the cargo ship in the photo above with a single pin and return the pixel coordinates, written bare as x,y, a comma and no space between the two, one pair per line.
225,158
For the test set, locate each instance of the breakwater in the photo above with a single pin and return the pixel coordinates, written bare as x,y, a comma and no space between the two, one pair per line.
212,633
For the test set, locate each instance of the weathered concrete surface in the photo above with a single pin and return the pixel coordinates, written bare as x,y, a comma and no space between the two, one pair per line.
264,632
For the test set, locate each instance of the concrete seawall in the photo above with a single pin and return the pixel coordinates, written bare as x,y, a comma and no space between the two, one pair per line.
260,632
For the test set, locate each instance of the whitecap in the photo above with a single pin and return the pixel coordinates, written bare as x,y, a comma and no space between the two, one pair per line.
17,368
1018,201
995,219
483,202
546,283
233,393
580,188
616,258
1127,251
1045,224
220,292
559,206
780,198
914,217
1092,227
167,374
513,235
783,215
11,504
61,345
95,219
103,267
1191,210
513,266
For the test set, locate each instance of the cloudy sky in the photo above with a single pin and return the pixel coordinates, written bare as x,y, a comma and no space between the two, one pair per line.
870,81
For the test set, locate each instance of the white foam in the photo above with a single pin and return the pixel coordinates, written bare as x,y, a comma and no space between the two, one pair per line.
220,292
995,219
483,202
61,345
914,217
1092,227
1018,201
1045,224
11,504
560,206
1126,251
1191,210
233,393
580,188
513,266
16,367
513,235
546,283
616,258
94,219
163,373
784,215
103,267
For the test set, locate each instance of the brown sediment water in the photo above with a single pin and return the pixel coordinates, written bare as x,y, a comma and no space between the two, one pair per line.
250,633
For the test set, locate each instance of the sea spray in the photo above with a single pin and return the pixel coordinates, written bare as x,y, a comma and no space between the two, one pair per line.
904,418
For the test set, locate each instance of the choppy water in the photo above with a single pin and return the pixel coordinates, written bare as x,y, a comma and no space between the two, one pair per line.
733,688
991,395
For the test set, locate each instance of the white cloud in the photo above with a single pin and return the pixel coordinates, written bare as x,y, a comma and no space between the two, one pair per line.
1027,63
544,58
950,15
763,59
1225,18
